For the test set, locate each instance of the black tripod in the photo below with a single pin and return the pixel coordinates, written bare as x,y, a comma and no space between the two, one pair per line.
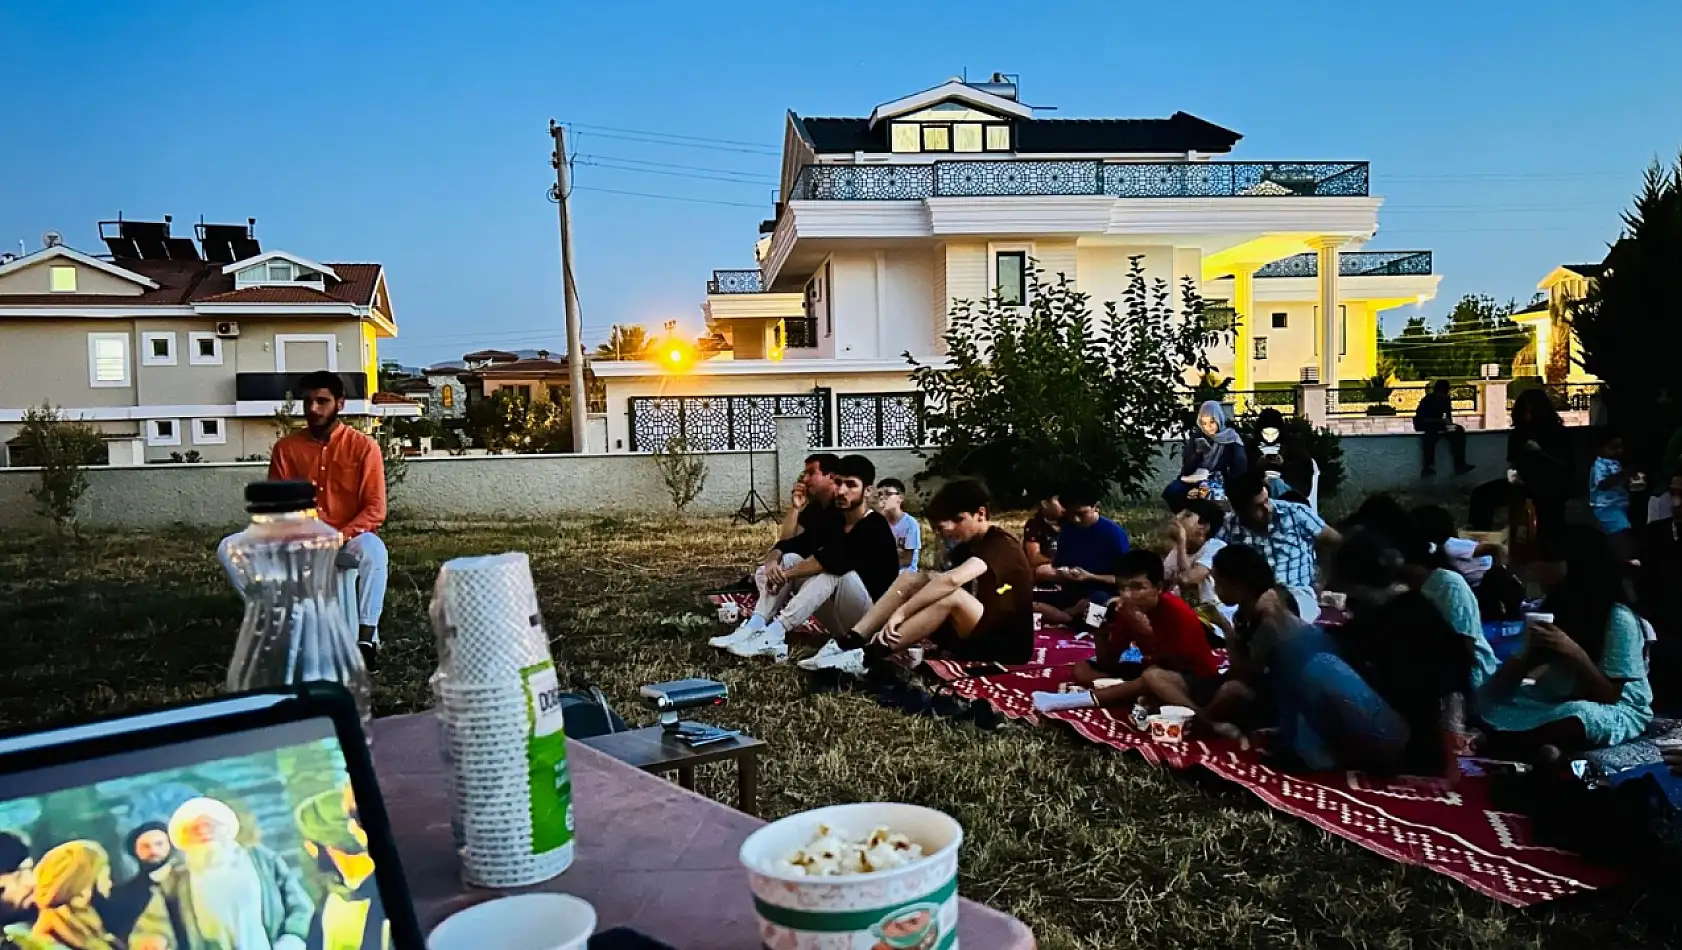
754,508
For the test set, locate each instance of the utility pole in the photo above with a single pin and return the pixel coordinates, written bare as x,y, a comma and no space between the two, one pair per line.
575,329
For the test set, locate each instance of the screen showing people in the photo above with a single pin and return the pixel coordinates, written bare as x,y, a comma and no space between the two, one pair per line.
249,841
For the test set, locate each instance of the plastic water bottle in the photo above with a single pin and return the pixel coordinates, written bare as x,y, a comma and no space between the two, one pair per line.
295,629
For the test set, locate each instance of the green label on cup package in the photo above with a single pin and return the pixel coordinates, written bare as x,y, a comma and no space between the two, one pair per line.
546,754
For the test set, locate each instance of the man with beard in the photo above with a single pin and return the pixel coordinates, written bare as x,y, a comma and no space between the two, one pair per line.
222,896
149,845
351,917
348,472
851,565
17,881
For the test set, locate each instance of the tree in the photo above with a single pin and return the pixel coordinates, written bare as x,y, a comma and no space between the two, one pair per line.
683,472
1478,331
505,421
1036,398
63,448
625,342
1632,316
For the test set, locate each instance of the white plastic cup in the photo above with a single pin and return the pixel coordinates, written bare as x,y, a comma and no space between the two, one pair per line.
729,612
521,922
1095,614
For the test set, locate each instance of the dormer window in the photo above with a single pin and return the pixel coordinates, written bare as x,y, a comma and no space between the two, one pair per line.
949,127
278,268
280,272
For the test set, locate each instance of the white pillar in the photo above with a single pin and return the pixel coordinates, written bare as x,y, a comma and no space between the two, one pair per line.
1244,304
1327,331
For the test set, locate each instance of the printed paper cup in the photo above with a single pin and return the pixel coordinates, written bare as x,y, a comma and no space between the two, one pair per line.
914,907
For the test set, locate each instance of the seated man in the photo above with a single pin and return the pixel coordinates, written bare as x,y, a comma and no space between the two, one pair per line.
1187,566
908,532
1168,633
811,517
1433,420
981,610
1088,545
851,565
348,471
1039,538
1289,535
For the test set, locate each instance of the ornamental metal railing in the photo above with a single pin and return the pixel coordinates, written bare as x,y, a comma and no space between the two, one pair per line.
800,333
1401,400
878,420
1566,397
723,423
980,178
741,281
1354,264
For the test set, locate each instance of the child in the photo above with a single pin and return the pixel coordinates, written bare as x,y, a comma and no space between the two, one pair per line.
982,610
1609,491
1039,538
1168,633
1482,563
908,532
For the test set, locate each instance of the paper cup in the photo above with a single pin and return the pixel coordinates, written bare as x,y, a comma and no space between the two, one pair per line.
729,612
522,922
1095,614
914,906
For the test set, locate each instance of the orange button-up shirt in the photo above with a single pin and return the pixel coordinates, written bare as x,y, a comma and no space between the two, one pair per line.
347,471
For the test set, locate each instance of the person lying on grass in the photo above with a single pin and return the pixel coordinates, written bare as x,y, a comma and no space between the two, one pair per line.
981,610
1172,642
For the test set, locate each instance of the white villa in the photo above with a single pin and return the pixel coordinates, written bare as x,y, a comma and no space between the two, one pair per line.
946,195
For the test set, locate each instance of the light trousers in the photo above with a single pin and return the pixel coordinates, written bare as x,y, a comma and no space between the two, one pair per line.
838,601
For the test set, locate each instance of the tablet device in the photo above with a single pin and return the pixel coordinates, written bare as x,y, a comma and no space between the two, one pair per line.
248,820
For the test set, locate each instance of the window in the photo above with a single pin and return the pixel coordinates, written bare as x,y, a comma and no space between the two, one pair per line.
966,137
204,348
524,392
157,348
1281,321
1011,278
1261,348
108,360
447,396
162,432
998,138
907,137
1342,330
937,138
209,432
279,271
63,279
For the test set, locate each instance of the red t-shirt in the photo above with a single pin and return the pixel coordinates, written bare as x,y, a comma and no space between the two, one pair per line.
1176,639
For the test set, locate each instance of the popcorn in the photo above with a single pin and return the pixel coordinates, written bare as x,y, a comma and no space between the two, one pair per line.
833,853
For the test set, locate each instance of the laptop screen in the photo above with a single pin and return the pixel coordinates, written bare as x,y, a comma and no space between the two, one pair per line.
235,840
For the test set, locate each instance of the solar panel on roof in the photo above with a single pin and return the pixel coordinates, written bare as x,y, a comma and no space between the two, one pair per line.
122,248
182,249
218,241
151,238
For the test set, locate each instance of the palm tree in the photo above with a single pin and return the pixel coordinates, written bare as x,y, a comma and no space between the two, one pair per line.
626,342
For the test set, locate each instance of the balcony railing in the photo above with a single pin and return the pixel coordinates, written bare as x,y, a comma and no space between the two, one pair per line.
736,282
1355,264
1402,400
982,178
802,332
275,387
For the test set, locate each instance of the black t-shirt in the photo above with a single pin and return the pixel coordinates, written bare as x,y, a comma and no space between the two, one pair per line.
817,522
1005,589
869,550
1043,533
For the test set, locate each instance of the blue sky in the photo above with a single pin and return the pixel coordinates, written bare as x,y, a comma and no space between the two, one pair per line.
415,133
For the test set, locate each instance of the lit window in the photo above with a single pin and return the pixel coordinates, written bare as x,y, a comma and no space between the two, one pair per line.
1261,347
998,138
209,432
937,138
1010,271
1280,320
108,359
157,348
447,397
966,137
162,432
63,279
906,137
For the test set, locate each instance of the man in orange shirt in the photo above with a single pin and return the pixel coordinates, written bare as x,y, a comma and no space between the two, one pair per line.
348,472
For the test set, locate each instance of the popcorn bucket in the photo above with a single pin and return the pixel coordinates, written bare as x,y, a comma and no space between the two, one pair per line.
914,907
1169,725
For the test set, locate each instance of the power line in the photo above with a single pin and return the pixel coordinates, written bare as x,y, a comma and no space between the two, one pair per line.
645,194
658,140
684,167
668,135
757,183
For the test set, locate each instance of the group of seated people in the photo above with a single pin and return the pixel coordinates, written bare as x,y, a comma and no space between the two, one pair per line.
1399,678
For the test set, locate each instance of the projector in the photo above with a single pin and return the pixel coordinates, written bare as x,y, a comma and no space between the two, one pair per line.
668,699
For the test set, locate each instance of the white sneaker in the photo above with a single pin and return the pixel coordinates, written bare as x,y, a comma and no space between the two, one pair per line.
766,643
825,652
1058,702
850,662
749,627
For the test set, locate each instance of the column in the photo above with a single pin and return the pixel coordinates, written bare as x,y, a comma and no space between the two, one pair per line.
1244,303
1327,331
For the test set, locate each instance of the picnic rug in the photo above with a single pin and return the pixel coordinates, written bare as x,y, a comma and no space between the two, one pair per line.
1453,829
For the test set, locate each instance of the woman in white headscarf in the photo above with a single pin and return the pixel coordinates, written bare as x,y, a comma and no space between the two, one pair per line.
1214,455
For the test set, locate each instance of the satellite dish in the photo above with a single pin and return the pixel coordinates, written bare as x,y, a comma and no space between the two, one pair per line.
52,239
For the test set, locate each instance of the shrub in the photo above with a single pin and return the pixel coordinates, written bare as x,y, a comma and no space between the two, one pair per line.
63,448
683,471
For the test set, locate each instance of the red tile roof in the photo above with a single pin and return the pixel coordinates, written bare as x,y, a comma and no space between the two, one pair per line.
185,282
531,367
383,398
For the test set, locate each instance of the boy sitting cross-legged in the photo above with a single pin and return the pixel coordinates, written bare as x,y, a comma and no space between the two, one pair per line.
982,609
1170,637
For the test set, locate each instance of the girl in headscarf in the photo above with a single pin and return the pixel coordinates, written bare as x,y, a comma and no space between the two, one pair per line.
1214,455
66,882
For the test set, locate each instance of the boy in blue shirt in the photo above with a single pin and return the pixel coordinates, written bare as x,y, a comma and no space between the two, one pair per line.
1087,549
1609,488
908,533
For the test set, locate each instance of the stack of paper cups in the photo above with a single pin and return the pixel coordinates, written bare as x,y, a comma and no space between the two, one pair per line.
498,706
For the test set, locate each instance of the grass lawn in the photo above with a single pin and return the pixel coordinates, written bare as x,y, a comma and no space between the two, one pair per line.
1089,847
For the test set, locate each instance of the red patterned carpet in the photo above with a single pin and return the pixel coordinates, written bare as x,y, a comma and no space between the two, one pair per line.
1452,829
